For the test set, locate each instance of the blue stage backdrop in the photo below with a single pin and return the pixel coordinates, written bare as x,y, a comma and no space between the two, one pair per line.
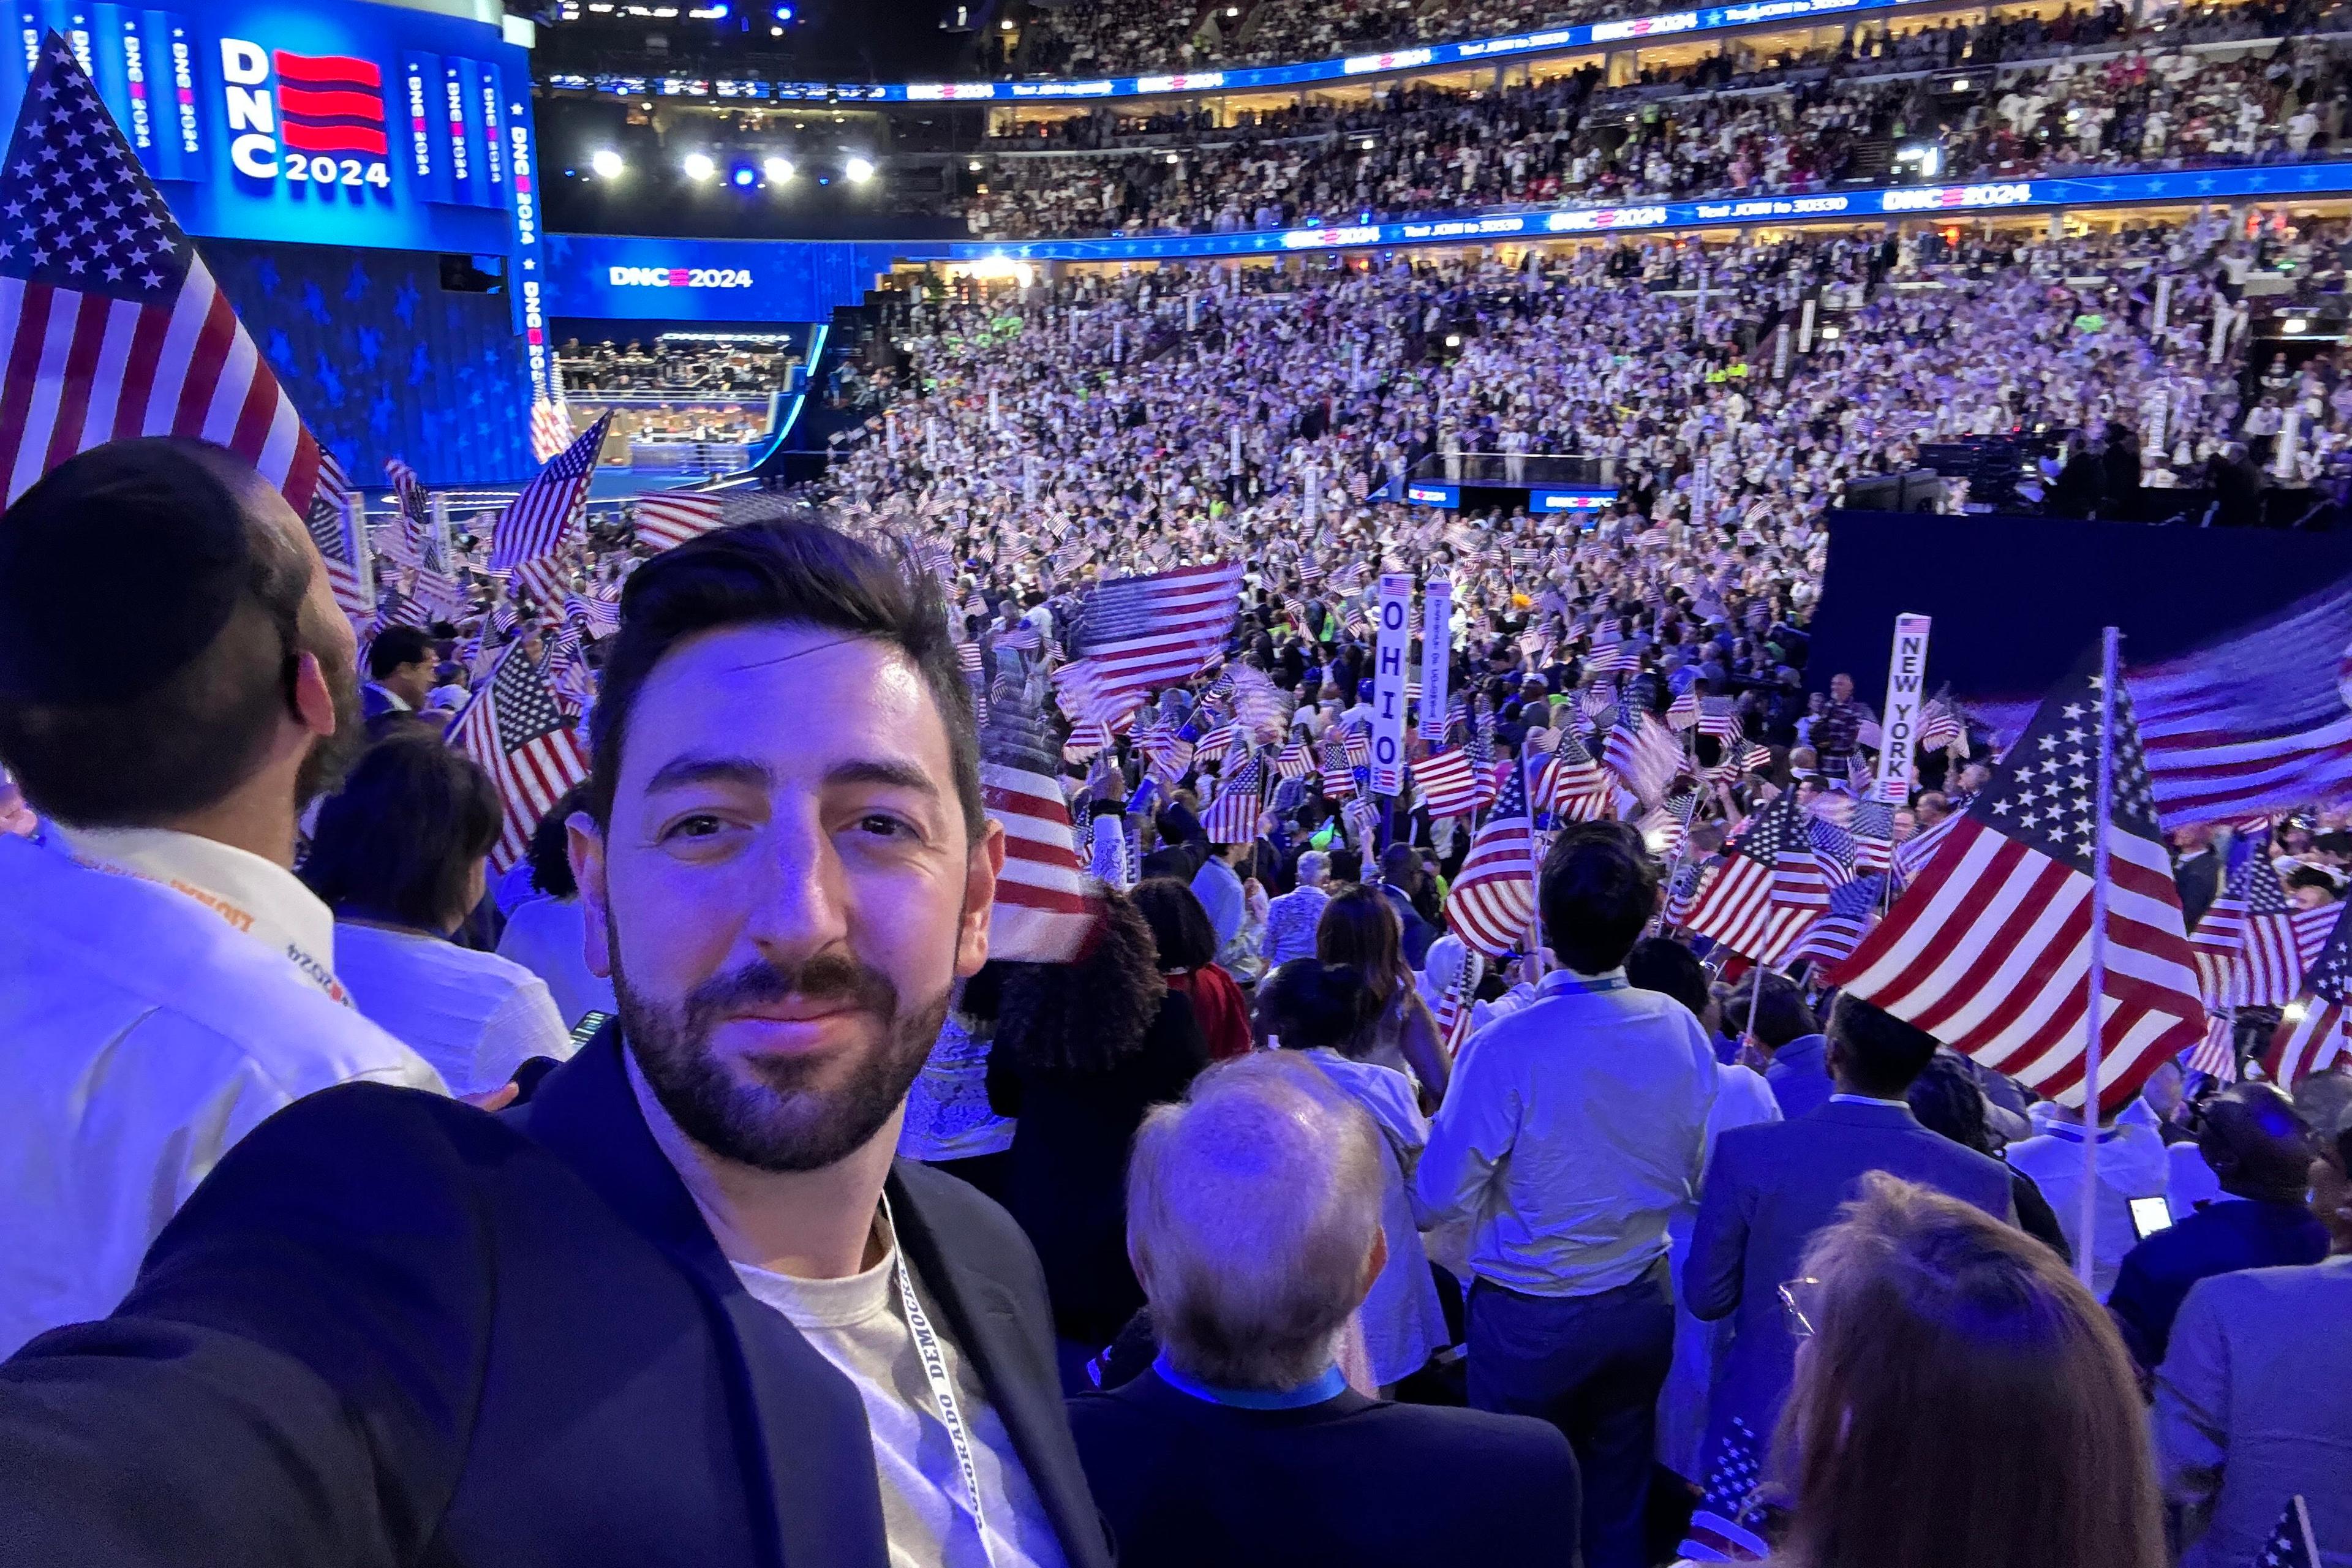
382,362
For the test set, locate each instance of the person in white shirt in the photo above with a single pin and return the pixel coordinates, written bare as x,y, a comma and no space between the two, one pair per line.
165,983
399,856
2132,1163
548,934
1574,1129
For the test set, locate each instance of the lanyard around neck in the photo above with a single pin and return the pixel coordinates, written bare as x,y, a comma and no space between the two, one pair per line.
929,1351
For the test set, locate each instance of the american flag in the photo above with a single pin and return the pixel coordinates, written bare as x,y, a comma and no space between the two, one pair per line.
416,511
2216,1055
1044,908
1358,742
1990,950
334,521
397,609
516,729
1716,1534
1213,746
1683,713
1838,929
539,521
1872,828
113,325
1572,787
1833,848
1169,754
551,427
1293,761
1666,829
1768,888
1338,776
1139,633
595,616
2310,1033
1611,658
1493,896
975,676
2246,944
1232,818
1719,717
1939,725
671,518
1446,783
2291,1544
1682,890
1087,739
2256,722
1911,855
1457,1004
1642,753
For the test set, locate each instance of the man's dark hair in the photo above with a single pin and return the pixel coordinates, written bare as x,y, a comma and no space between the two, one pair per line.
396,647
148,631
1948,1102
2311,877
400,840
1663,964
1400,864
780,571
1877,1053
1181,928
550,851
1781,1015
1598,889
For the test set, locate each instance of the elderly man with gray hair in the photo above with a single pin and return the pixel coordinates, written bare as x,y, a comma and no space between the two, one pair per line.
1254,1223
1291,919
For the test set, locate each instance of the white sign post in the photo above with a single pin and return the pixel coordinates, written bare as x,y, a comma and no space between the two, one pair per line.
1906,678
1388,682
1436,656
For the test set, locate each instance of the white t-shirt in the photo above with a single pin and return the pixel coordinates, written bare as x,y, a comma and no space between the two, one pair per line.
474,1016
544,936
860,1326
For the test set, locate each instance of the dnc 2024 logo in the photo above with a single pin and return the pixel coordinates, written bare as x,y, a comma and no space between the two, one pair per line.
305,119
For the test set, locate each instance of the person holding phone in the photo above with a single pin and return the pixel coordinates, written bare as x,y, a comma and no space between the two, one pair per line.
2260,1147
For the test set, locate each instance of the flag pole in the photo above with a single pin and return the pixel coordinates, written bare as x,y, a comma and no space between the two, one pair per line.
2094,1020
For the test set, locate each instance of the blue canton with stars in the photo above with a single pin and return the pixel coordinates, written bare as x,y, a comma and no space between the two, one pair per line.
2044,794
76,210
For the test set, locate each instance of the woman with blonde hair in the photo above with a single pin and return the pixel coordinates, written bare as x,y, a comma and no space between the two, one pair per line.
1961,1401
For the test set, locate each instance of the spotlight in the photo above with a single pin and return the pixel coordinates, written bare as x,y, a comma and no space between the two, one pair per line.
972,167
2293,326
699,166
857,171
1005,25
743,175
779,170
607,163
775,32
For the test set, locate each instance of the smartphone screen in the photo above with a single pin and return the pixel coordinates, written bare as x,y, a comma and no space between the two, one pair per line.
2150,1215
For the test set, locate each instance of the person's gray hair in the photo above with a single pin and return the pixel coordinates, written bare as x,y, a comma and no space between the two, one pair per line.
1252,1211
1314,868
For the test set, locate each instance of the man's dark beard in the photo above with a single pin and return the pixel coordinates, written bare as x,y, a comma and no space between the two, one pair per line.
780,1123
332,756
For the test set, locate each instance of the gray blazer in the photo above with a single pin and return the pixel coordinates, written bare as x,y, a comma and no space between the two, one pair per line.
2251,1409
1769,1188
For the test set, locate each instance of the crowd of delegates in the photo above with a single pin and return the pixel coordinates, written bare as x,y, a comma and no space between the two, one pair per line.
1734,124
1458,1270
1110,37
673,365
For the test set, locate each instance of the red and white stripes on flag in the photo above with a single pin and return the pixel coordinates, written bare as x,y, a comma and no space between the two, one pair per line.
2216,1055
538,522
1044,910
1138,634
1571,786
1492,902
113,324
550,427
2310,1035
670,518
334,525
1446,783
2246,945
1989,949
1768,888
1642,753
1232,818
515,727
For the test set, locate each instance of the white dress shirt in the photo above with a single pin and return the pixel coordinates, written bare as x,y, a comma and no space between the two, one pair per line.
2132,1163
474,1016
547,936
160,996
1572,1130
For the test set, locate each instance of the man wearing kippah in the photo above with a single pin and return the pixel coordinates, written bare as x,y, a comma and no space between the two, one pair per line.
175,684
